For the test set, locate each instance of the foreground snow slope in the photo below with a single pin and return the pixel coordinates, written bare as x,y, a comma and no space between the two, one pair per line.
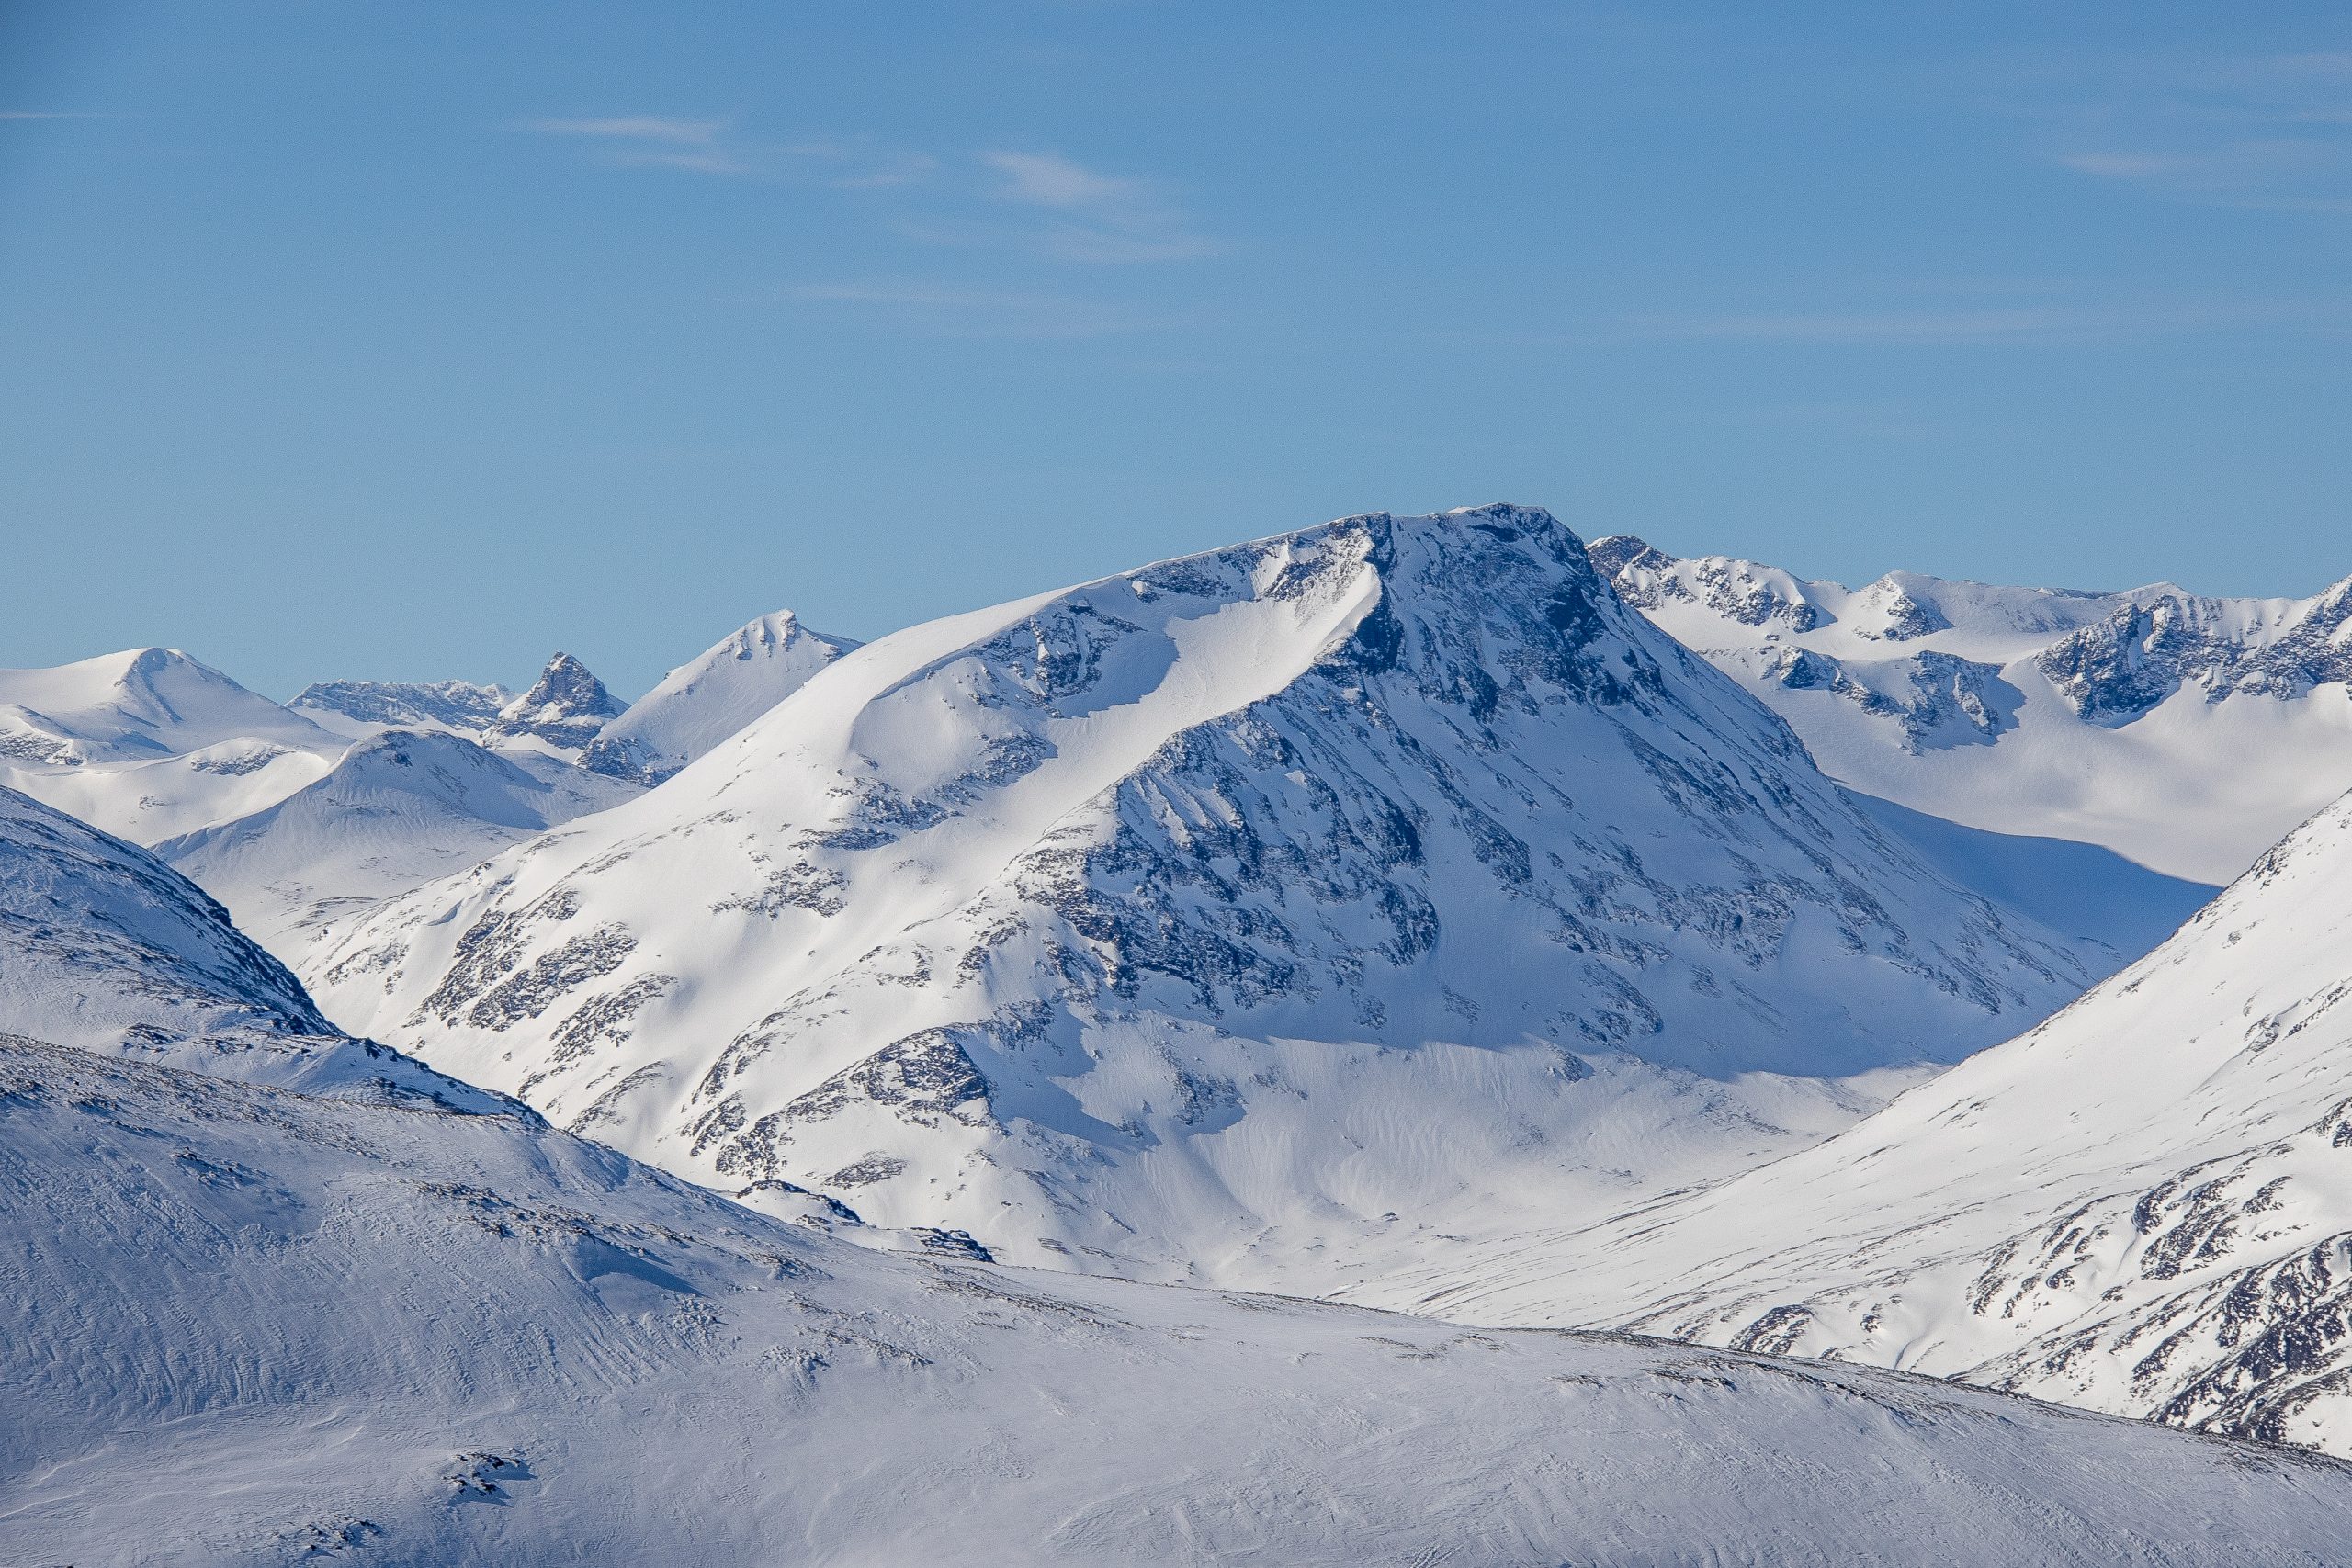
247,1327
149,743
1259,916
2142,1206
103,947
2185,732
710,697
412,1323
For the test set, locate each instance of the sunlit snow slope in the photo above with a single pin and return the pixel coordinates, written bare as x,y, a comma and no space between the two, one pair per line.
709,698
2142,1206
1257,915
398,809
150,743
2185,732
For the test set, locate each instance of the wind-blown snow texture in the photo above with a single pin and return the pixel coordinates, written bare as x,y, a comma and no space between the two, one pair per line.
2142,1206
1249,917
247,1327
2188,733
104,947
704,702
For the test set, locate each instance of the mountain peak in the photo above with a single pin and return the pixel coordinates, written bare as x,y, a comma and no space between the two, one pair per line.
1296,833
565,706
710,697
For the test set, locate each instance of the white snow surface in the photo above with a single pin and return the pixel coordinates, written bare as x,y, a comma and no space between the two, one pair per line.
104,947
399,809
250,1326
1268,917
2143,1206
150,743
2185,732
710,697
411,1324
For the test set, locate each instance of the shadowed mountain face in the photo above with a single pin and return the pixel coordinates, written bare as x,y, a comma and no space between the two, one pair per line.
1247,915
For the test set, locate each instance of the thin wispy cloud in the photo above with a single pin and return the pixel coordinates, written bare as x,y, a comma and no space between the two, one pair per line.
1097,217
2254,131
1066,211
948,310
634,128
1045,179
712,147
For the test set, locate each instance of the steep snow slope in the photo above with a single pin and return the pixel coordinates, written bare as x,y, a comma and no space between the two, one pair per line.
1258,916
150,743
559,715
396,811
2185,732
361,708
247,1327
2142,1206
102,946
703,701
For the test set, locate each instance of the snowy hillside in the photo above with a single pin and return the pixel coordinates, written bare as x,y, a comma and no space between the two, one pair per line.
1265,916
397,811
2142,1206
707,700
102,946
150,743
2188,733
251,1327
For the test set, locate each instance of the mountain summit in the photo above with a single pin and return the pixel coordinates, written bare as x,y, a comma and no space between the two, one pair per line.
564,708
1229,915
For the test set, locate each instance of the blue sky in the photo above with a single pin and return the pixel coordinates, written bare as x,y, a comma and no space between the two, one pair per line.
416,340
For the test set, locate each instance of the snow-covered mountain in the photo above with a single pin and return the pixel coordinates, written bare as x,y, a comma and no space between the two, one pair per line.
399,809
104,947
396,1318
150,743
2142,1206
2185,732
1260,916
361,708
707,700
560,714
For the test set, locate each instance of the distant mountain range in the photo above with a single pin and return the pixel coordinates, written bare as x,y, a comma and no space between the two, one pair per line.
2188,733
